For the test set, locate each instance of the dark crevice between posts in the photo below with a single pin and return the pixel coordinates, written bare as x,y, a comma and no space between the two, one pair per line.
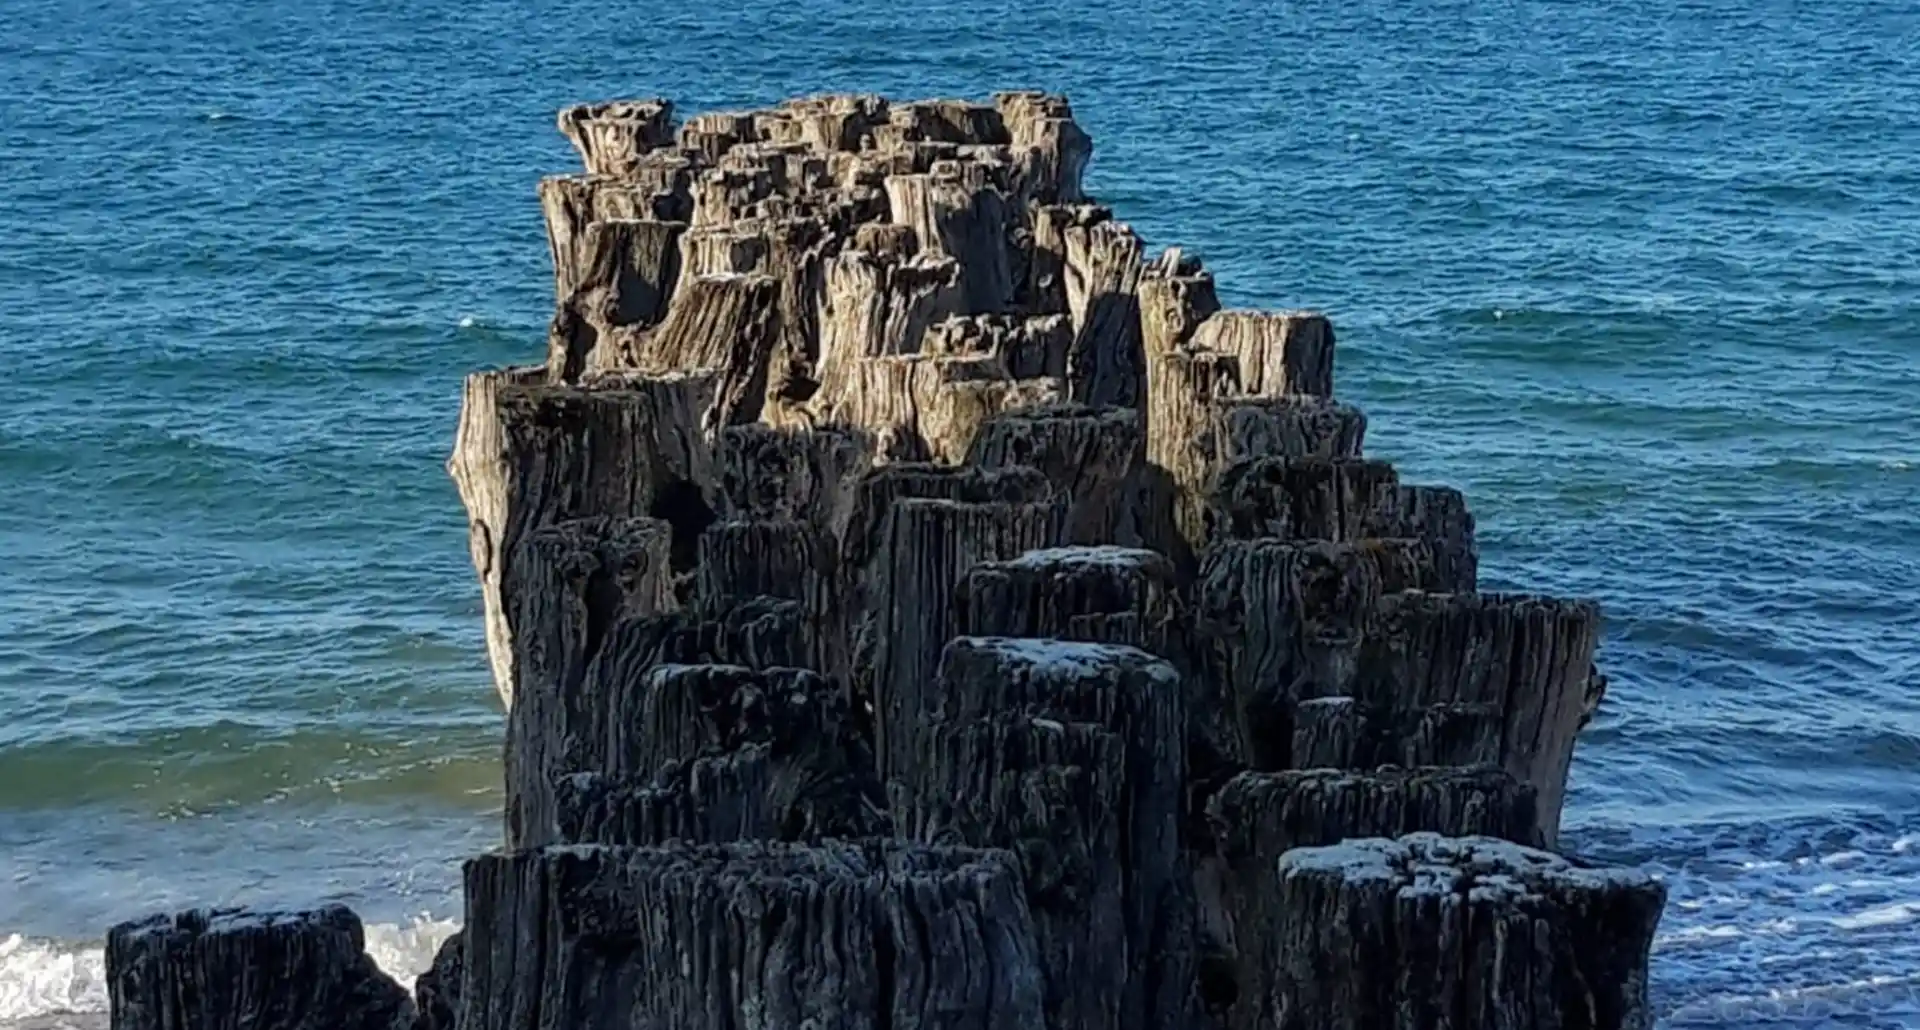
682,505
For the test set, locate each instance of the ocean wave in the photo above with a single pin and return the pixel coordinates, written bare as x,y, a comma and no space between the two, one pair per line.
1813,1005
267,758
40,977
1783,922
43,977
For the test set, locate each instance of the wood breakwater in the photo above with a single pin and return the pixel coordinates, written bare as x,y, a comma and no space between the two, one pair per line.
917,606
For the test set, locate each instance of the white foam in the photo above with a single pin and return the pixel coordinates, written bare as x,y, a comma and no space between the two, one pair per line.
406,951
1883,915
1691,934
1708,933
1883,995
40,978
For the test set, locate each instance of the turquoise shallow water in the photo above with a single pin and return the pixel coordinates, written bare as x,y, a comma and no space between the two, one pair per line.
1643,281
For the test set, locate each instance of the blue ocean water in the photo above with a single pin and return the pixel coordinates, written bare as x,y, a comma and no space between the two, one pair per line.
1643,279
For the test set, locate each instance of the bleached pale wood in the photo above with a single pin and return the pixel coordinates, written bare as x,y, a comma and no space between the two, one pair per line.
1106,363
612,137
626,270
1281,354
722,326
1050,146
573,203
1027,347
1176,295
711,134
1043,286
945,121
530,454
968,225
834,121
725,195
933,406
1200,424
1184,392
877,305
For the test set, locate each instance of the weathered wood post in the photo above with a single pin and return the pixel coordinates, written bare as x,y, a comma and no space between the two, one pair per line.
1109,689
931,544
1258,818
1117,595
572,582
1092,456
721,936
530,455
1280,354
1283,621
1431,931
1525,659
237,969
1054,794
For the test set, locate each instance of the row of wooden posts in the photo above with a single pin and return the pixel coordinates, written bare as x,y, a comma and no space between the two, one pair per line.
918,608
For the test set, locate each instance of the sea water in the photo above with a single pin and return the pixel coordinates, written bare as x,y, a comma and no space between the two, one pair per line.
1643,279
